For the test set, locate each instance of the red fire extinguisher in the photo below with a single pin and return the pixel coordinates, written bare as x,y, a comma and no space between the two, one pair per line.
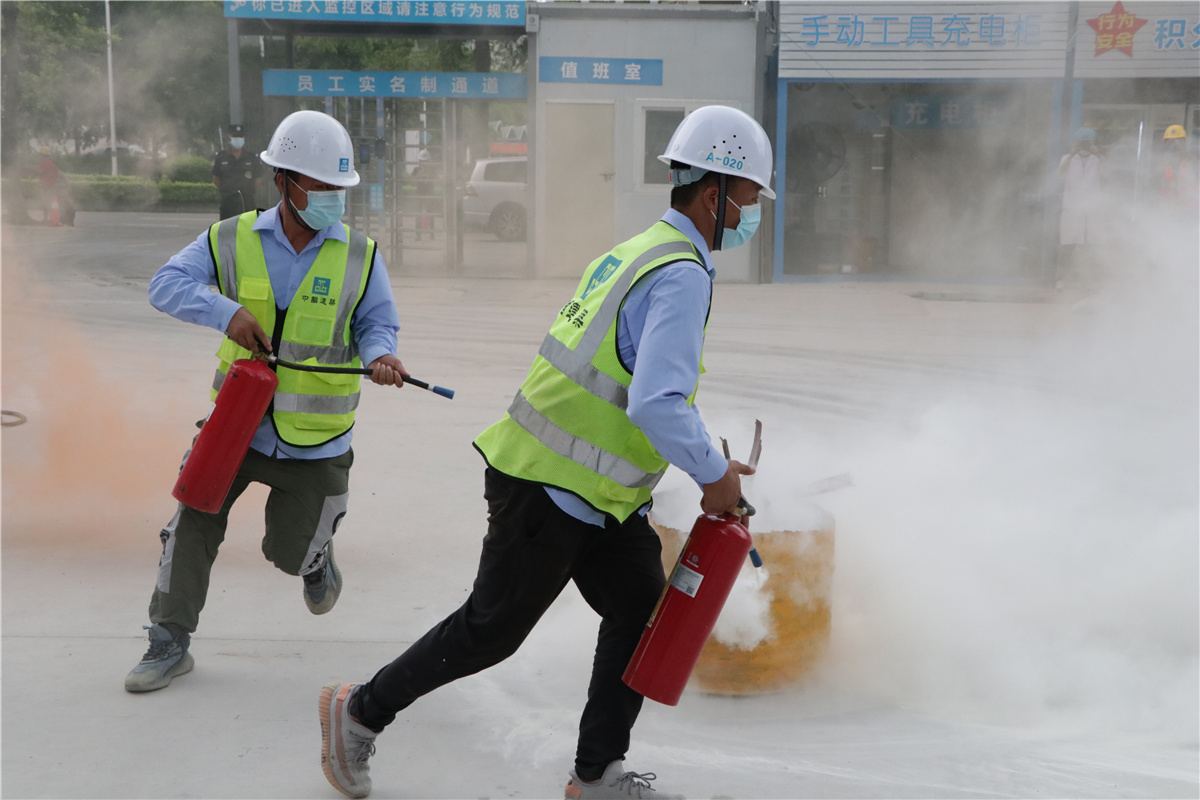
244,398
690,603
242,401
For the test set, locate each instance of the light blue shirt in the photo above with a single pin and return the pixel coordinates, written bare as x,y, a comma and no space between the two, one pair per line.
660,335
181,288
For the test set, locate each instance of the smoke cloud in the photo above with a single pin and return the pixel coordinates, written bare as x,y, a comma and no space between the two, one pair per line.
1020,543
94,458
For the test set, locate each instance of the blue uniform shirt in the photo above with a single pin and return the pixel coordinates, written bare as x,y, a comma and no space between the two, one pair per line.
660,334
181,288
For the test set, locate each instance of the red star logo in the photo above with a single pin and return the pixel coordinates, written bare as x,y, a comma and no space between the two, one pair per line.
1115,30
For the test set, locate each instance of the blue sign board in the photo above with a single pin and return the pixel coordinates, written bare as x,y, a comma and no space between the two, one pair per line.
432,12
639,71
345,83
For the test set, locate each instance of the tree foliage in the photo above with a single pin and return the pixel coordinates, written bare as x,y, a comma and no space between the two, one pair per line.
407,55
169,65
59,65
172,61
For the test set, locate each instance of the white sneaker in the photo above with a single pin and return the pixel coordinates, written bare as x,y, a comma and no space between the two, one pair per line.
345,744
616,783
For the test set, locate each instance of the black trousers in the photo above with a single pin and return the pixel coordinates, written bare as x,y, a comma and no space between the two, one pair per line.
531,550
235,203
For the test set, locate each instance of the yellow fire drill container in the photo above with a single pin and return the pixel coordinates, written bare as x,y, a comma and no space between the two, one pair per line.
796,597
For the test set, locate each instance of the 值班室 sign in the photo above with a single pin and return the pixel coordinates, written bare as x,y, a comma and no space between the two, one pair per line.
583,69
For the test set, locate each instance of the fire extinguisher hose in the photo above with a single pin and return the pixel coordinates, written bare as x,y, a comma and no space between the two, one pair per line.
747,511
272,359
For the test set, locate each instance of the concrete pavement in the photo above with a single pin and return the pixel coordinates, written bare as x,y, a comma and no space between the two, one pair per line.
1014,603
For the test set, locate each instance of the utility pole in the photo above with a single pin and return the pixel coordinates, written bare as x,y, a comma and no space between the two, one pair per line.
112,108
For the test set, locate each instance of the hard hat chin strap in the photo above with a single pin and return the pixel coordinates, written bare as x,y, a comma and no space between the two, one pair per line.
287,198
722,196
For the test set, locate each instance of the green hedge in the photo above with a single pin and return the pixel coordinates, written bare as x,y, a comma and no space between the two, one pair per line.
113,193
188,169
128,193
181,192
101,162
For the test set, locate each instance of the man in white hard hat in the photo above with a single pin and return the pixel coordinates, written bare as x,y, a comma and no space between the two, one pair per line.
605,408
295,281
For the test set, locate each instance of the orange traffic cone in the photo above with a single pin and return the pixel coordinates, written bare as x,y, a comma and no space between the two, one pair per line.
54,218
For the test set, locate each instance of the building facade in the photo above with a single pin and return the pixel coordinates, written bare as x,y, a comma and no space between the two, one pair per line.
921,140
610,83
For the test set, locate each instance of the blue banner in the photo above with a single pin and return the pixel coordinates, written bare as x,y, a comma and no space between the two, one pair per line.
430,12
580,69
344,83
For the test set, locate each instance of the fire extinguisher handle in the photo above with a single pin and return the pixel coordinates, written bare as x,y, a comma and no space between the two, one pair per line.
744,509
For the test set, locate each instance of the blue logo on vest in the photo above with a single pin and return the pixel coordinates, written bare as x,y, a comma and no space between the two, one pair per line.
321,286
603,272
344,165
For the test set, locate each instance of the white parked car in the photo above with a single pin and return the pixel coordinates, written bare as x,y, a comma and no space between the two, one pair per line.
497,197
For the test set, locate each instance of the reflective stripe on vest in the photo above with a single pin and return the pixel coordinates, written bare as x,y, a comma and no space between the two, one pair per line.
304,403
227,256
312,416
567,426
577,365
581,451
356,259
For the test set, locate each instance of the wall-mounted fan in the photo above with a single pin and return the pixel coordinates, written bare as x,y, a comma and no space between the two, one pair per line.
816,151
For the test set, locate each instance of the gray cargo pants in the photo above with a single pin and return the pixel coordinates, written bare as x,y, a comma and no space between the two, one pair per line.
307,502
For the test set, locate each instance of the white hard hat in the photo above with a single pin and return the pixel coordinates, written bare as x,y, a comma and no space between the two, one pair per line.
723,139
313,144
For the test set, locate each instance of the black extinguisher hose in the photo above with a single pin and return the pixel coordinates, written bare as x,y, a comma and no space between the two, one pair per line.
271,358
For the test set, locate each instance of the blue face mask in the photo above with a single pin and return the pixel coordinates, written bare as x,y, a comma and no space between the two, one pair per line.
735,237
237,143
324,208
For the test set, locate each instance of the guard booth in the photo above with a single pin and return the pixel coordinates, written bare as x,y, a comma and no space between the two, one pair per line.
609,84
417,135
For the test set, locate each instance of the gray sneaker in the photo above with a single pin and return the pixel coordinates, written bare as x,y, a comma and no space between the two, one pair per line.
167,657
615,783
323,585
346,745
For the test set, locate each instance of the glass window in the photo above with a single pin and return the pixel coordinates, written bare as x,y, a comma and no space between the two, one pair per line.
506,171
660,124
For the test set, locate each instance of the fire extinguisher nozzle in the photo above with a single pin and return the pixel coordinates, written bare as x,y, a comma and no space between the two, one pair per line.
755,558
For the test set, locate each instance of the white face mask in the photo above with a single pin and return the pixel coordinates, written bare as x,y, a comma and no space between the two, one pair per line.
237,143
747,225
323,209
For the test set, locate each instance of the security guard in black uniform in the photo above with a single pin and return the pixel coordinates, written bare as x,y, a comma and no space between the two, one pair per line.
235,172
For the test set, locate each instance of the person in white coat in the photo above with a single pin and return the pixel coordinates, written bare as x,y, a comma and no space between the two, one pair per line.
1082,210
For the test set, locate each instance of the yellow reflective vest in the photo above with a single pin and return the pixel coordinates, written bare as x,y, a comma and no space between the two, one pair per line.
309,408
567,427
